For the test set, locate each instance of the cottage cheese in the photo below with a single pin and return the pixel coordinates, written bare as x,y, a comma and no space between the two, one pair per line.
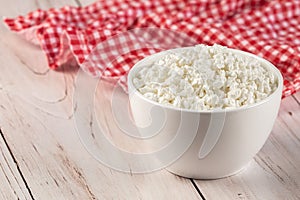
205,78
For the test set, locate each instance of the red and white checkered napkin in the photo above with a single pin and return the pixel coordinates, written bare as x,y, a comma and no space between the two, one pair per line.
270,29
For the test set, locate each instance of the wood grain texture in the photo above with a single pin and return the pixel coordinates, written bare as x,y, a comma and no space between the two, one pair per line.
36,118
12,184
274,173
56,165
37,121
19,7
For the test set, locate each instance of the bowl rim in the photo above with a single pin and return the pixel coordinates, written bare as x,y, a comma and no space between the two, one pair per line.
267,64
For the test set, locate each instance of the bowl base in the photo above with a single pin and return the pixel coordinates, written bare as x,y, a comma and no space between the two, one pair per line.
204,177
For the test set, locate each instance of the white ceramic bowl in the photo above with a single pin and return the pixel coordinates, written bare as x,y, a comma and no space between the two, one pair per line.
204,144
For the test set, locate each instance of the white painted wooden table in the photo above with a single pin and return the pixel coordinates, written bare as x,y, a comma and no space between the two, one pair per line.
42,156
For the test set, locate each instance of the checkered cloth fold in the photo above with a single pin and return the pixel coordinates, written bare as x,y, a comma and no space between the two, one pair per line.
268,28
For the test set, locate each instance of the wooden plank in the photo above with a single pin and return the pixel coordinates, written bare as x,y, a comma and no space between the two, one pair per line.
18,7
32,62
56,165
274,173
36,119
12,185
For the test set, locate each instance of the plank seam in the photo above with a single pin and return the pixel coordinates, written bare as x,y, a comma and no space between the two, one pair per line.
296,99
17,165
197,188
78,3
